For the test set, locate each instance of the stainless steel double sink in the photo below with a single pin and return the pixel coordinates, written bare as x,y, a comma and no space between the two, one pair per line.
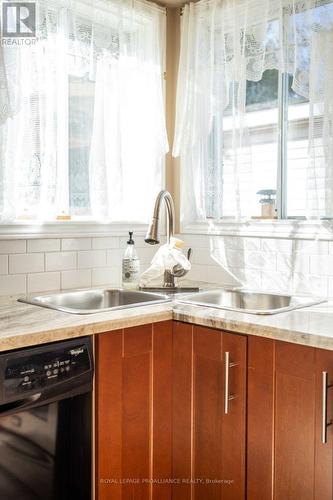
249,302
94,301
101,300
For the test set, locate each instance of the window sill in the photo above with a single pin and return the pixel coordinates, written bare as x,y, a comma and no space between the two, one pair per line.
286,229
67,229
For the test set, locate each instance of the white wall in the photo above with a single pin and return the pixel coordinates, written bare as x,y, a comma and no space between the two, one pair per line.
40,265
281,265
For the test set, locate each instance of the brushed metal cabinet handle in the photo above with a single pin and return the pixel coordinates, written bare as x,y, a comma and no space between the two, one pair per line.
324,422
226,382
227,397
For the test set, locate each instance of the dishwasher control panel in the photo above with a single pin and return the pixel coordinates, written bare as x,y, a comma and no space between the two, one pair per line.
42,367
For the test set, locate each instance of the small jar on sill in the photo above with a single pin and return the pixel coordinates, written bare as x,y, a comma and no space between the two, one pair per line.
268,203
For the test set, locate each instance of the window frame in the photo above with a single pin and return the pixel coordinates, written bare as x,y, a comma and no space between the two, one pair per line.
284,226
87,226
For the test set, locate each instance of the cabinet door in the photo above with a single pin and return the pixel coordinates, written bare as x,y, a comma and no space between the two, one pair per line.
133,406
260,423
208,438
295,388
324,450
286,459
234,421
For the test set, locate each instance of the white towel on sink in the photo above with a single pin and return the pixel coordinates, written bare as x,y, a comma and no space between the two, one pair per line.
166,257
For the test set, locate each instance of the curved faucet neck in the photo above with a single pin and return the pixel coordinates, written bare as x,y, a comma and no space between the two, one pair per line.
170,208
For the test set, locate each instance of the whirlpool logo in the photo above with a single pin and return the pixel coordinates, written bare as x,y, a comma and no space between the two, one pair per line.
18,20
77,351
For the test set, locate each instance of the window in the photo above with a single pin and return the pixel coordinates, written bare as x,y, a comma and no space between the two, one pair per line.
82,127
262,116
80,120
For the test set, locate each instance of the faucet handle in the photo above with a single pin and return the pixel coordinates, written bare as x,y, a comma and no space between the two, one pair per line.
178,270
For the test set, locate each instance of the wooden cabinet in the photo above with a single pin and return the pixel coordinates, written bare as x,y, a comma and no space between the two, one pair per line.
208,413
286,458
133,408
186,412
170,413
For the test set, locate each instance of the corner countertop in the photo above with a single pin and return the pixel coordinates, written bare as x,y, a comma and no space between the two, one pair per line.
23,325
310,326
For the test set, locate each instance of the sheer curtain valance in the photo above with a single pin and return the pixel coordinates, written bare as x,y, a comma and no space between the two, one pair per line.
234,53
82,128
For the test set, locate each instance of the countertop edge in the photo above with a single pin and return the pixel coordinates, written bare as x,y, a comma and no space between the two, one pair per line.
255,329
40,337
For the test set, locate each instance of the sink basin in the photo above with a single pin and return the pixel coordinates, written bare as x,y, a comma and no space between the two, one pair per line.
93,301
249,302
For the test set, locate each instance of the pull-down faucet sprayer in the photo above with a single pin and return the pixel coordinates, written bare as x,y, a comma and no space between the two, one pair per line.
152,236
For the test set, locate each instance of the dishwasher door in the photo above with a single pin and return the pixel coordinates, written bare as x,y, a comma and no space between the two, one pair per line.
45,452
46,422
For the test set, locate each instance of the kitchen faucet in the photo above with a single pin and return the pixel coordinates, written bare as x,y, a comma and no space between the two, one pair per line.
152,236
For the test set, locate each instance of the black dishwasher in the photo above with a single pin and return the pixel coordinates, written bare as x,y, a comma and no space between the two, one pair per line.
45,422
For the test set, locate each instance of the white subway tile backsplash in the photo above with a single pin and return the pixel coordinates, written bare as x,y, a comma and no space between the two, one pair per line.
276,245
249,278
105,243
273,281
311,247
145,254
43,245
322,265
60,261
12,284
261,260
106,276
297,262
3,264
91,258
196,240
236,242
231,258
330,287
68,244
115,256
79,278
201,256
330,247
43,282
26,263
199,273
218,275
309,284
12,246
281,265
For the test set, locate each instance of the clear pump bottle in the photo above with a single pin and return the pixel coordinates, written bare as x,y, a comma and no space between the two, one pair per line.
131,265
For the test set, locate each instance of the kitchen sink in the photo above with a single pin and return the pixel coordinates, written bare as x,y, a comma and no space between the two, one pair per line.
94,301
248,302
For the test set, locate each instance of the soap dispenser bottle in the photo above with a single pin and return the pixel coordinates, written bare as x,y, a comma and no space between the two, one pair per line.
131,265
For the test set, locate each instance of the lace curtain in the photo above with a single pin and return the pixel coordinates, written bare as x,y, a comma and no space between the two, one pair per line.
82,111
229,47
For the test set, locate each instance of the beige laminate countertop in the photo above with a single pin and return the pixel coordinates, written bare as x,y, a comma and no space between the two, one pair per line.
311,326
23,325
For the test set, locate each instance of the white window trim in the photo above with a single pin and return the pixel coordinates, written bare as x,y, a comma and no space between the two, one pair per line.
68,229
279,229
